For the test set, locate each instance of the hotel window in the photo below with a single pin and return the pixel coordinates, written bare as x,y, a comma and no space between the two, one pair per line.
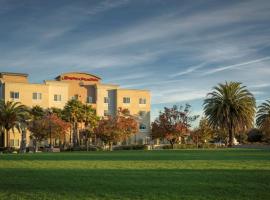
37,96
142,101
106,100
57,97
89,99
106,112
14,95
75,97
142,113
142,127
126,100
14,143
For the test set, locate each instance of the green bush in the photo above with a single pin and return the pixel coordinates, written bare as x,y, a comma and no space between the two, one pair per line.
9,150
190,146
131,147
90,148
255,135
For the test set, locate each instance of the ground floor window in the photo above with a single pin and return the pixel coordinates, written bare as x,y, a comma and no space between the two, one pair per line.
142,126
14,142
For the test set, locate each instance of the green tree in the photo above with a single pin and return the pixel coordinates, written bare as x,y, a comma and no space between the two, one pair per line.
263,119
90,120
230,106
11,115
73,112
24,123
36,126
203,133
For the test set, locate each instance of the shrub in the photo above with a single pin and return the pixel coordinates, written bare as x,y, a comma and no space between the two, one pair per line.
190,146
131,147
90,148
255,135
9,150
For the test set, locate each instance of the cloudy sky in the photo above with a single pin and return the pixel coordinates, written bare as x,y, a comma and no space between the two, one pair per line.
177,49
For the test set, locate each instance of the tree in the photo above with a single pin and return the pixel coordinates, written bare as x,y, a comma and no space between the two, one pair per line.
47,126
73,113
11,115
24,126
203,133
263,119
57,127
36,126
230,107
58,112
39,131
173,123
255,135
90,120
116,128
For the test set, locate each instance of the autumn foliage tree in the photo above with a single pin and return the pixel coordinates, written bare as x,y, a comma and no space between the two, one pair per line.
116,128
41,128
173,123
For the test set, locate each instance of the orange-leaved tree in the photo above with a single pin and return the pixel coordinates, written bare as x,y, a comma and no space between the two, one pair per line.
112,129
172,124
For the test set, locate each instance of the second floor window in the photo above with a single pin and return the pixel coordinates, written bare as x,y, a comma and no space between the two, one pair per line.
106,100
57,97
142,101
37,96
126,100
14,95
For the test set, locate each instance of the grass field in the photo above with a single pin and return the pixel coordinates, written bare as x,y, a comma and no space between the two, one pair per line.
181,174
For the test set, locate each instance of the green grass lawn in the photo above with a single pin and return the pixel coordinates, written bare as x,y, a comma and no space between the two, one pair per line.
180,174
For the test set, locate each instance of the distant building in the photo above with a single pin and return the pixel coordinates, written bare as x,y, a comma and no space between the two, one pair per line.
87,88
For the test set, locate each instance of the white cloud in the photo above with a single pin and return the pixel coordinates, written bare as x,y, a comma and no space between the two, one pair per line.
234,66
188,70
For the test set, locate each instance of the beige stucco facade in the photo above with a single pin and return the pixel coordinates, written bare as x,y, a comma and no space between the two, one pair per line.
87,88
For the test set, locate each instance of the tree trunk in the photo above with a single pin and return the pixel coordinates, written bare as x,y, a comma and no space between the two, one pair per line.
75,134
23,142
197,141
111,146
8,140
35,145
172,143
3,138
87,145
230,137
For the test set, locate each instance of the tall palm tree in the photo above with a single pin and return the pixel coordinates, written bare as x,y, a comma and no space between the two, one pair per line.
90,120
11,116
73,113
263,116
230,107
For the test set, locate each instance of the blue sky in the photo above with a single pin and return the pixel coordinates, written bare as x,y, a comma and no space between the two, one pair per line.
177,49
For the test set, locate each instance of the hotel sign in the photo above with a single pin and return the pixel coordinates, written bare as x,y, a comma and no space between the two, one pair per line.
78,78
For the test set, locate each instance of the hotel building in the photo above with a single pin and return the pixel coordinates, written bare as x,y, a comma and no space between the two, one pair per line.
87,88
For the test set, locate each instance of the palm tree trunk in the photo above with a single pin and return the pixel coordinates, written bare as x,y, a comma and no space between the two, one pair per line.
23,142
8,140
230,135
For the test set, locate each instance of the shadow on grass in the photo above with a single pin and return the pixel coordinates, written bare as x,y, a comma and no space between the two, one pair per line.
224,154
134,184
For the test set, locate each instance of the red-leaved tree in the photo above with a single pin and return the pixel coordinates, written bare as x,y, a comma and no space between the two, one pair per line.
116,128
173,123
